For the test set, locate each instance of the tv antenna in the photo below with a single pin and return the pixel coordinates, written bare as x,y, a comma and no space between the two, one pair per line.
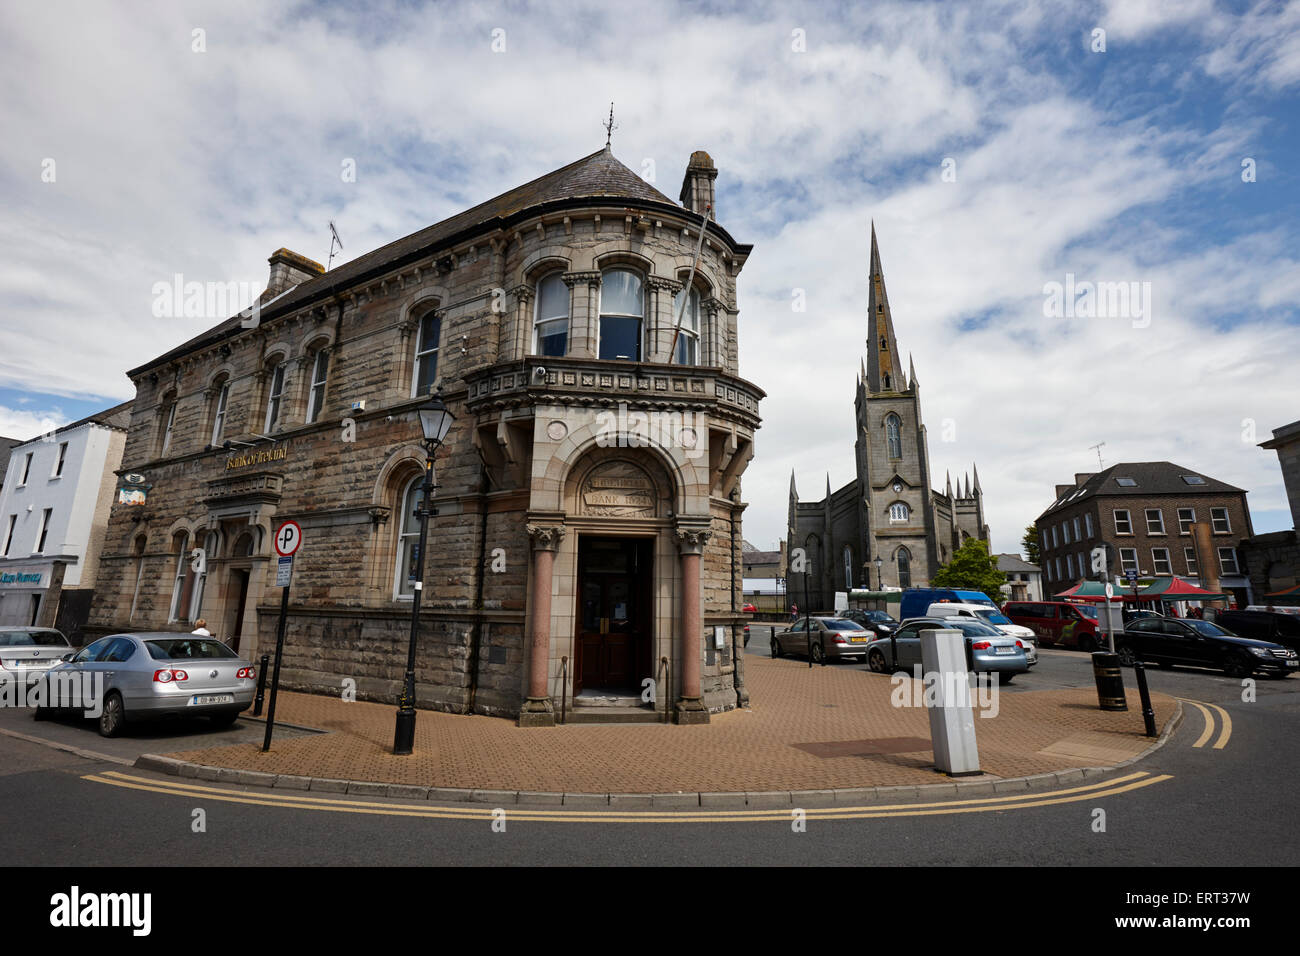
1097,449
334,237
610,125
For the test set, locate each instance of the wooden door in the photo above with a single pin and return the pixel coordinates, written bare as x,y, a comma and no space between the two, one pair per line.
614,621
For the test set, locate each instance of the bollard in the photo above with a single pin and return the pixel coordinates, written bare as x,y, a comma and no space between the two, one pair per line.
261,685
1148,715
1110,681
952,722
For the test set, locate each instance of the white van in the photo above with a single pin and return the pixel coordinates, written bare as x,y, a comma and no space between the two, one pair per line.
992,617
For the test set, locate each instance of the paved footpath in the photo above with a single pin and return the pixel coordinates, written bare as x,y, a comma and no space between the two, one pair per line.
807,729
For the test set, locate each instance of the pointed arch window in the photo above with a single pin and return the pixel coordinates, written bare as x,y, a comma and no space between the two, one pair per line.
903,558
894,432
848,567
899,513
408,538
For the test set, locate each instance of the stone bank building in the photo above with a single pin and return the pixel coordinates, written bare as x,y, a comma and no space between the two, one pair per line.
587,533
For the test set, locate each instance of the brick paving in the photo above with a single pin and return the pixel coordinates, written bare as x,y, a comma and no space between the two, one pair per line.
742,750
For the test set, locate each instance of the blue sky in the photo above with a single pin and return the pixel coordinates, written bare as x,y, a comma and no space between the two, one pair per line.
1122,165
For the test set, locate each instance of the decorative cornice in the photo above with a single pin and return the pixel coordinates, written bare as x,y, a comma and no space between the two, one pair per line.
662,283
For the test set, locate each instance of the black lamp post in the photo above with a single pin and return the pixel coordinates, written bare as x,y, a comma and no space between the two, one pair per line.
880,582
435,421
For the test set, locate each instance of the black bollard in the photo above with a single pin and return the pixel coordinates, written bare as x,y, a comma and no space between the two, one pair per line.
261,685
1148,715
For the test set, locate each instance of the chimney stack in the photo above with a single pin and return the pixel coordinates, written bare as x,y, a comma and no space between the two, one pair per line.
288,269
1082,476
697,185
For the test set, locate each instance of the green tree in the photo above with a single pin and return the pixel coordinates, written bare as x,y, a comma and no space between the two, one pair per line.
972,568
1030,543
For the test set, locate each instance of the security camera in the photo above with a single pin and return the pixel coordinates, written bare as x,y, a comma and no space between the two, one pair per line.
539,373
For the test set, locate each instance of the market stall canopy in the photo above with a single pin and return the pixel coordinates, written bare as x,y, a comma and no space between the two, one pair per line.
1087,591
1289,595
1175,588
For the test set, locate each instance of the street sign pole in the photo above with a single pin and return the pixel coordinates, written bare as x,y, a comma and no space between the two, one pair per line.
288,538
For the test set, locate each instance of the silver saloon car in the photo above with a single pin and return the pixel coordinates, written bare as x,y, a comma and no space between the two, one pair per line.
822,638
28,651
988,649
156,674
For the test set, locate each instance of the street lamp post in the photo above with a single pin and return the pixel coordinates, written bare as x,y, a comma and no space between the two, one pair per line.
435,421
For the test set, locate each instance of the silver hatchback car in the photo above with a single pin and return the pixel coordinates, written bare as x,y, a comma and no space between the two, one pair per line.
154,674
988,649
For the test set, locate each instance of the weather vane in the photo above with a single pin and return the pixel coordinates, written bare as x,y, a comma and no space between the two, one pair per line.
610,126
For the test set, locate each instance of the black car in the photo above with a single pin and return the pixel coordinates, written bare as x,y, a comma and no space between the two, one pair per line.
1271,626
1168,641
878,622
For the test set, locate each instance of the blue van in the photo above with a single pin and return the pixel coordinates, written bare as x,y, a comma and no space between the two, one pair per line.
917,601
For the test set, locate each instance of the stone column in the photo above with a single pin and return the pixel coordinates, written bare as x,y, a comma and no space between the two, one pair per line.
517,338
690,706
538,710
584,320
661,317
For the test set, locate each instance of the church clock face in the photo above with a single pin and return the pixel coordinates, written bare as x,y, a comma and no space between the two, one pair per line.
898,486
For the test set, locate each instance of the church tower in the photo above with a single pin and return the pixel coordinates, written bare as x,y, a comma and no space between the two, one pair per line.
897,512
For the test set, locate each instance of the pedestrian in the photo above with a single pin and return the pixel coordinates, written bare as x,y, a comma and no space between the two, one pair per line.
201,628
794,612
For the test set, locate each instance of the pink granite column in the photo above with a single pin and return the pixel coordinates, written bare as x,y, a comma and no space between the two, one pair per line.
690,706
538,710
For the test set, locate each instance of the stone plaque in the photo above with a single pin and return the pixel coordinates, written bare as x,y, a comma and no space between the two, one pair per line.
618,490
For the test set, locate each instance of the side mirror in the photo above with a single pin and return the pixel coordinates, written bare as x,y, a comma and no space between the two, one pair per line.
65,658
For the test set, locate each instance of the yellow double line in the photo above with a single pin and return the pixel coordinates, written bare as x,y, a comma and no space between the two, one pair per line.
1224,735
486,813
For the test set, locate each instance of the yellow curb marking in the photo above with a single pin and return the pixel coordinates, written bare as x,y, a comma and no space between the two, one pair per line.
1012,802
1210,726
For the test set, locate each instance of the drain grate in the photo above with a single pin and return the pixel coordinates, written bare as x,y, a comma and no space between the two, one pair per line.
866,748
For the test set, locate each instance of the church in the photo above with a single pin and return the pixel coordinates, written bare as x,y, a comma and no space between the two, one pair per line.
889,511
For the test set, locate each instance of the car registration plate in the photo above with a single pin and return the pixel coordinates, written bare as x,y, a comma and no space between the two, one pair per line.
213,699
858,640
1292,663
1005,650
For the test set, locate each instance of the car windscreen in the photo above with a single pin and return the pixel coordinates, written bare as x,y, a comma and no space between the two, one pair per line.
33,639
1088,612
188,648
838,624
1208,628
994,617
880,617
970,627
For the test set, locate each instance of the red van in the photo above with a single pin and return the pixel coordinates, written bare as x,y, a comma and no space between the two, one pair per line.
1058,622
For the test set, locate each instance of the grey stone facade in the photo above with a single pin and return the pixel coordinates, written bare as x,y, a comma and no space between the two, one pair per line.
889,510
546,452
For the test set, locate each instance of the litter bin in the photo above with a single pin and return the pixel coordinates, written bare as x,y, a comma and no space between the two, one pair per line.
1110,681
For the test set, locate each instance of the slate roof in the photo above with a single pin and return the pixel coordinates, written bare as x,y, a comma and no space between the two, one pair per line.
594,176
1014,562
1151,477
117,417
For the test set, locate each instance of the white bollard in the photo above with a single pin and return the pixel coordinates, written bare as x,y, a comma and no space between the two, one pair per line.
947,697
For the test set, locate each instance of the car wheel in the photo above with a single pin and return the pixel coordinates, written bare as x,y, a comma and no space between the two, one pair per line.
1087,645
876,661
224,720
1239,666
1005,678
113,717
40,713
817,653
776,648
1126,656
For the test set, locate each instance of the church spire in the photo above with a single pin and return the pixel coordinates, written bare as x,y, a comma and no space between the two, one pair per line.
884,370
975,468
948,476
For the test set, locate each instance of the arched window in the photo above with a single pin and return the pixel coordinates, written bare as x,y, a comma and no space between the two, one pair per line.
222,385
169,423
884,344
275,395
209,552
848,567
426,354
899,513
320,368
551,317
622,309
903,558
893,434
408,537
688,339
184,582
139,575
